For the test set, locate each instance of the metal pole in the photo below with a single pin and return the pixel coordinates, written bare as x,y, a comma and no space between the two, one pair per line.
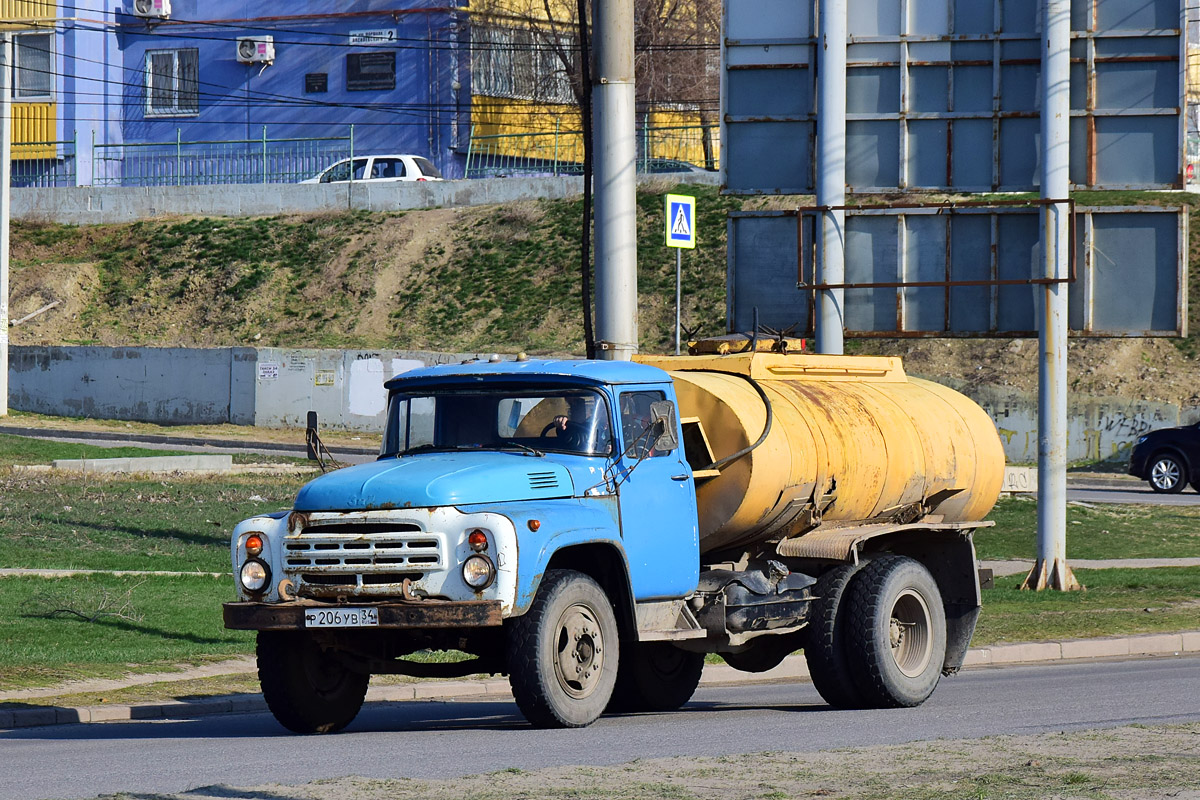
6,78
615,181
678,291
1051,570
831,172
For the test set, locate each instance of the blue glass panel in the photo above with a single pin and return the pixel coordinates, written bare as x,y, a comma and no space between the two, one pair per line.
872,155
925,251
1019,141
1017,254
927,153
871,248
928,89
872,90
970,260
972,154
973,89
769,92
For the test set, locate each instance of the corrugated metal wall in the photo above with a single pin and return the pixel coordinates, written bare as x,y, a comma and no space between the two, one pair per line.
26,10
34,122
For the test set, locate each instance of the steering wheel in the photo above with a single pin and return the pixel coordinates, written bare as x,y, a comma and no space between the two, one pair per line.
573,436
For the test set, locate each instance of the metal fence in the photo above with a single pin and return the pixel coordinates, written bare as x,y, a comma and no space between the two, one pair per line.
194,163
661,149
44,164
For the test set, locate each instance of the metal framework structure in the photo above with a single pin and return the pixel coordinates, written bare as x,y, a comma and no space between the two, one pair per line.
943,95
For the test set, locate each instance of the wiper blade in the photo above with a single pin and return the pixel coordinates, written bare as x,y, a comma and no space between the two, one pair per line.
525,447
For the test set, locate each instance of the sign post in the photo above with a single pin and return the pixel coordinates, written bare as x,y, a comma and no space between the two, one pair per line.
681,233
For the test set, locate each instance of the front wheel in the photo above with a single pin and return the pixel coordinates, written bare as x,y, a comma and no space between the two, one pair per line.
1167,475
656,676
563,652
897,632
307,689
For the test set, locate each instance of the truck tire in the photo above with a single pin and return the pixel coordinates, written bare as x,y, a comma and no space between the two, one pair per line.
825,648
563,652
897,632
308,690
655,676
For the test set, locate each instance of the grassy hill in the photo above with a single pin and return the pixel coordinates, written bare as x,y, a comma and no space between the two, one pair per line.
494,278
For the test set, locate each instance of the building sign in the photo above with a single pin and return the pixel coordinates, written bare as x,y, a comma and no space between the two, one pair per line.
316,83
371,71
380,36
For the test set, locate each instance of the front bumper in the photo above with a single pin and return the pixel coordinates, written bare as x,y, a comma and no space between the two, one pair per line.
425,614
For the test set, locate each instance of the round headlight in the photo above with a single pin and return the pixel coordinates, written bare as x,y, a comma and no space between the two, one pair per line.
478,572
255,576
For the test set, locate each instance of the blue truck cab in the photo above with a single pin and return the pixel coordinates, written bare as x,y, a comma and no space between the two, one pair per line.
512,504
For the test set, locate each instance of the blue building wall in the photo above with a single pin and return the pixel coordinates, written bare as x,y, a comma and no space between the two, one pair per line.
102,88
420,115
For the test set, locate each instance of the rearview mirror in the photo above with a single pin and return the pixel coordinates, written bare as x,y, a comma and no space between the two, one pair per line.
662,415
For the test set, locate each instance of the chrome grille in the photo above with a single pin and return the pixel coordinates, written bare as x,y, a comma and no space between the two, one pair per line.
366,557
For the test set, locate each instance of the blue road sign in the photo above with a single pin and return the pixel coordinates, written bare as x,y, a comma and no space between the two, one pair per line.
681,221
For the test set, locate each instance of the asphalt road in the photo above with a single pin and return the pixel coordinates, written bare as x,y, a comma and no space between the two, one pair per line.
443,739
1135,493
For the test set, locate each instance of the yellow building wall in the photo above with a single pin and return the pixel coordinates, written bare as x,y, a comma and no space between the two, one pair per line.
551,131
538,130
27,10
34,122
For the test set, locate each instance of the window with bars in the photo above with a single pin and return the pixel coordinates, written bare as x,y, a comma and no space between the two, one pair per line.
172,82
522,64
33,55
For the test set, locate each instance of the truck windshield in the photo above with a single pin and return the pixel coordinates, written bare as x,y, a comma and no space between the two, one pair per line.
571,421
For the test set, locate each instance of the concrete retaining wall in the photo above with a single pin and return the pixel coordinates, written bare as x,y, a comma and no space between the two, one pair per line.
1097,427
275,388
95,205
169,386
269,387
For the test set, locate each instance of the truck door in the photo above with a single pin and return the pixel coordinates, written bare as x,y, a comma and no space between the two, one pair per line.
657,502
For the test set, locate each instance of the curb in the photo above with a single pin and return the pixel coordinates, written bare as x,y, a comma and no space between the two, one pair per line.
792,668
190,441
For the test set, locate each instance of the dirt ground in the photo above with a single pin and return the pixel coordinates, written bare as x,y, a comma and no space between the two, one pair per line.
1129,763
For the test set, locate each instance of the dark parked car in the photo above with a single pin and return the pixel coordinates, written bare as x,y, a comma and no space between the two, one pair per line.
1169,459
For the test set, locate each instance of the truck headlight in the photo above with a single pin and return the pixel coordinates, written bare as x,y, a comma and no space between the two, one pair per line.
478,572
255,575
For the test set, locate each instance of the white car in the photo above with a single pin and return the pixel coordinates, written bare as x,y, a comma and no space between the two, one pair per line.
379,169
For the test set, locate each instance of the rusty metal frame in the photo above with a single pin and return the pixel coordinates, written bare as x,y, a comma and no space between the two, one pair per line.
946,284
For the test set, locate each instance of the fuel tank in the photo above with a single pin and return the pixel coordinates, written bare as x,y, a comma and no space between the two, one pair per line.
851,438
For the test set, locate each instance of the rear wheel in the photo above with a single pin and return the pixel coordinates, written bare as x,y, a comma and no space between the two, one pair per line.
1167,474
307,689
563,652
656,676
897,632
825,649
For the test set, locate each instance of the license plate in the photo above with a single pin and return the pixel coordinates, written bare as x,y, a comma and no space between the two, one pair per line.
341,617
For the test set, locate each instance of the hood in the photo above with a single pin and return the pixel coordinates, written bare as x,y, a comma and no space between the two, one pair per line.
436,479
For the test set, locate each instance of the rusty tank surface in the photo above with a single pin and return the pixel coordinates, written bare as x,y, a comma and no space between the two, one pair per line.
785,444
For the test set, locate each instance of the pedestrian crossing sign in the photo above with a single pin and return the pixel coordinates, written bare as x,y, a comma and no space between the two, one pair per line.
681,221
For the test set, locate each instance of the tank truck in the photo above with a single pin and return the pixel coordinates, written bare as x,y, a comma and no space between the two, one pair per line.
592,529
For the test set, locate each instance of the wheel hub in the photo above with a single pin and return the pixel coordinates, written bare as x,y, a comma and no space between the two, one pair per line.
580,651
911,633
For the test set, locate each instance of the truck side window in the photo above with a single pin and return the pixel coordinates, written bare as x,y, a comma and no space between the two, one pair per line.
636,422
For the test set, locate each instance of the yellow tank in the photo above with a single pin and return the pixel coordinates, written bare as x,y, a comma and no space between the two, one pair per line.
852,439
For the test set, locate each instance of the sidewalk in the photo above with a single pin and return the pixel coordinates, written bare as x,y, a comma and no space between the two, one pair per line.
792,669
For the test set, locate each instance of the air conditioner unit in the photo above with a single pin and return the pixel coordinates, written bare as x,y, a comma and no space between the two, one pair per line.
256,49
154,9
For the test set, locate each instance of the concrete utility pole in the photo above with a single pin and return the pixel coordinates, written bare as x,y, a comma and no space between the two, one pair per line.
615,181
831,173
6,81
1051,570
